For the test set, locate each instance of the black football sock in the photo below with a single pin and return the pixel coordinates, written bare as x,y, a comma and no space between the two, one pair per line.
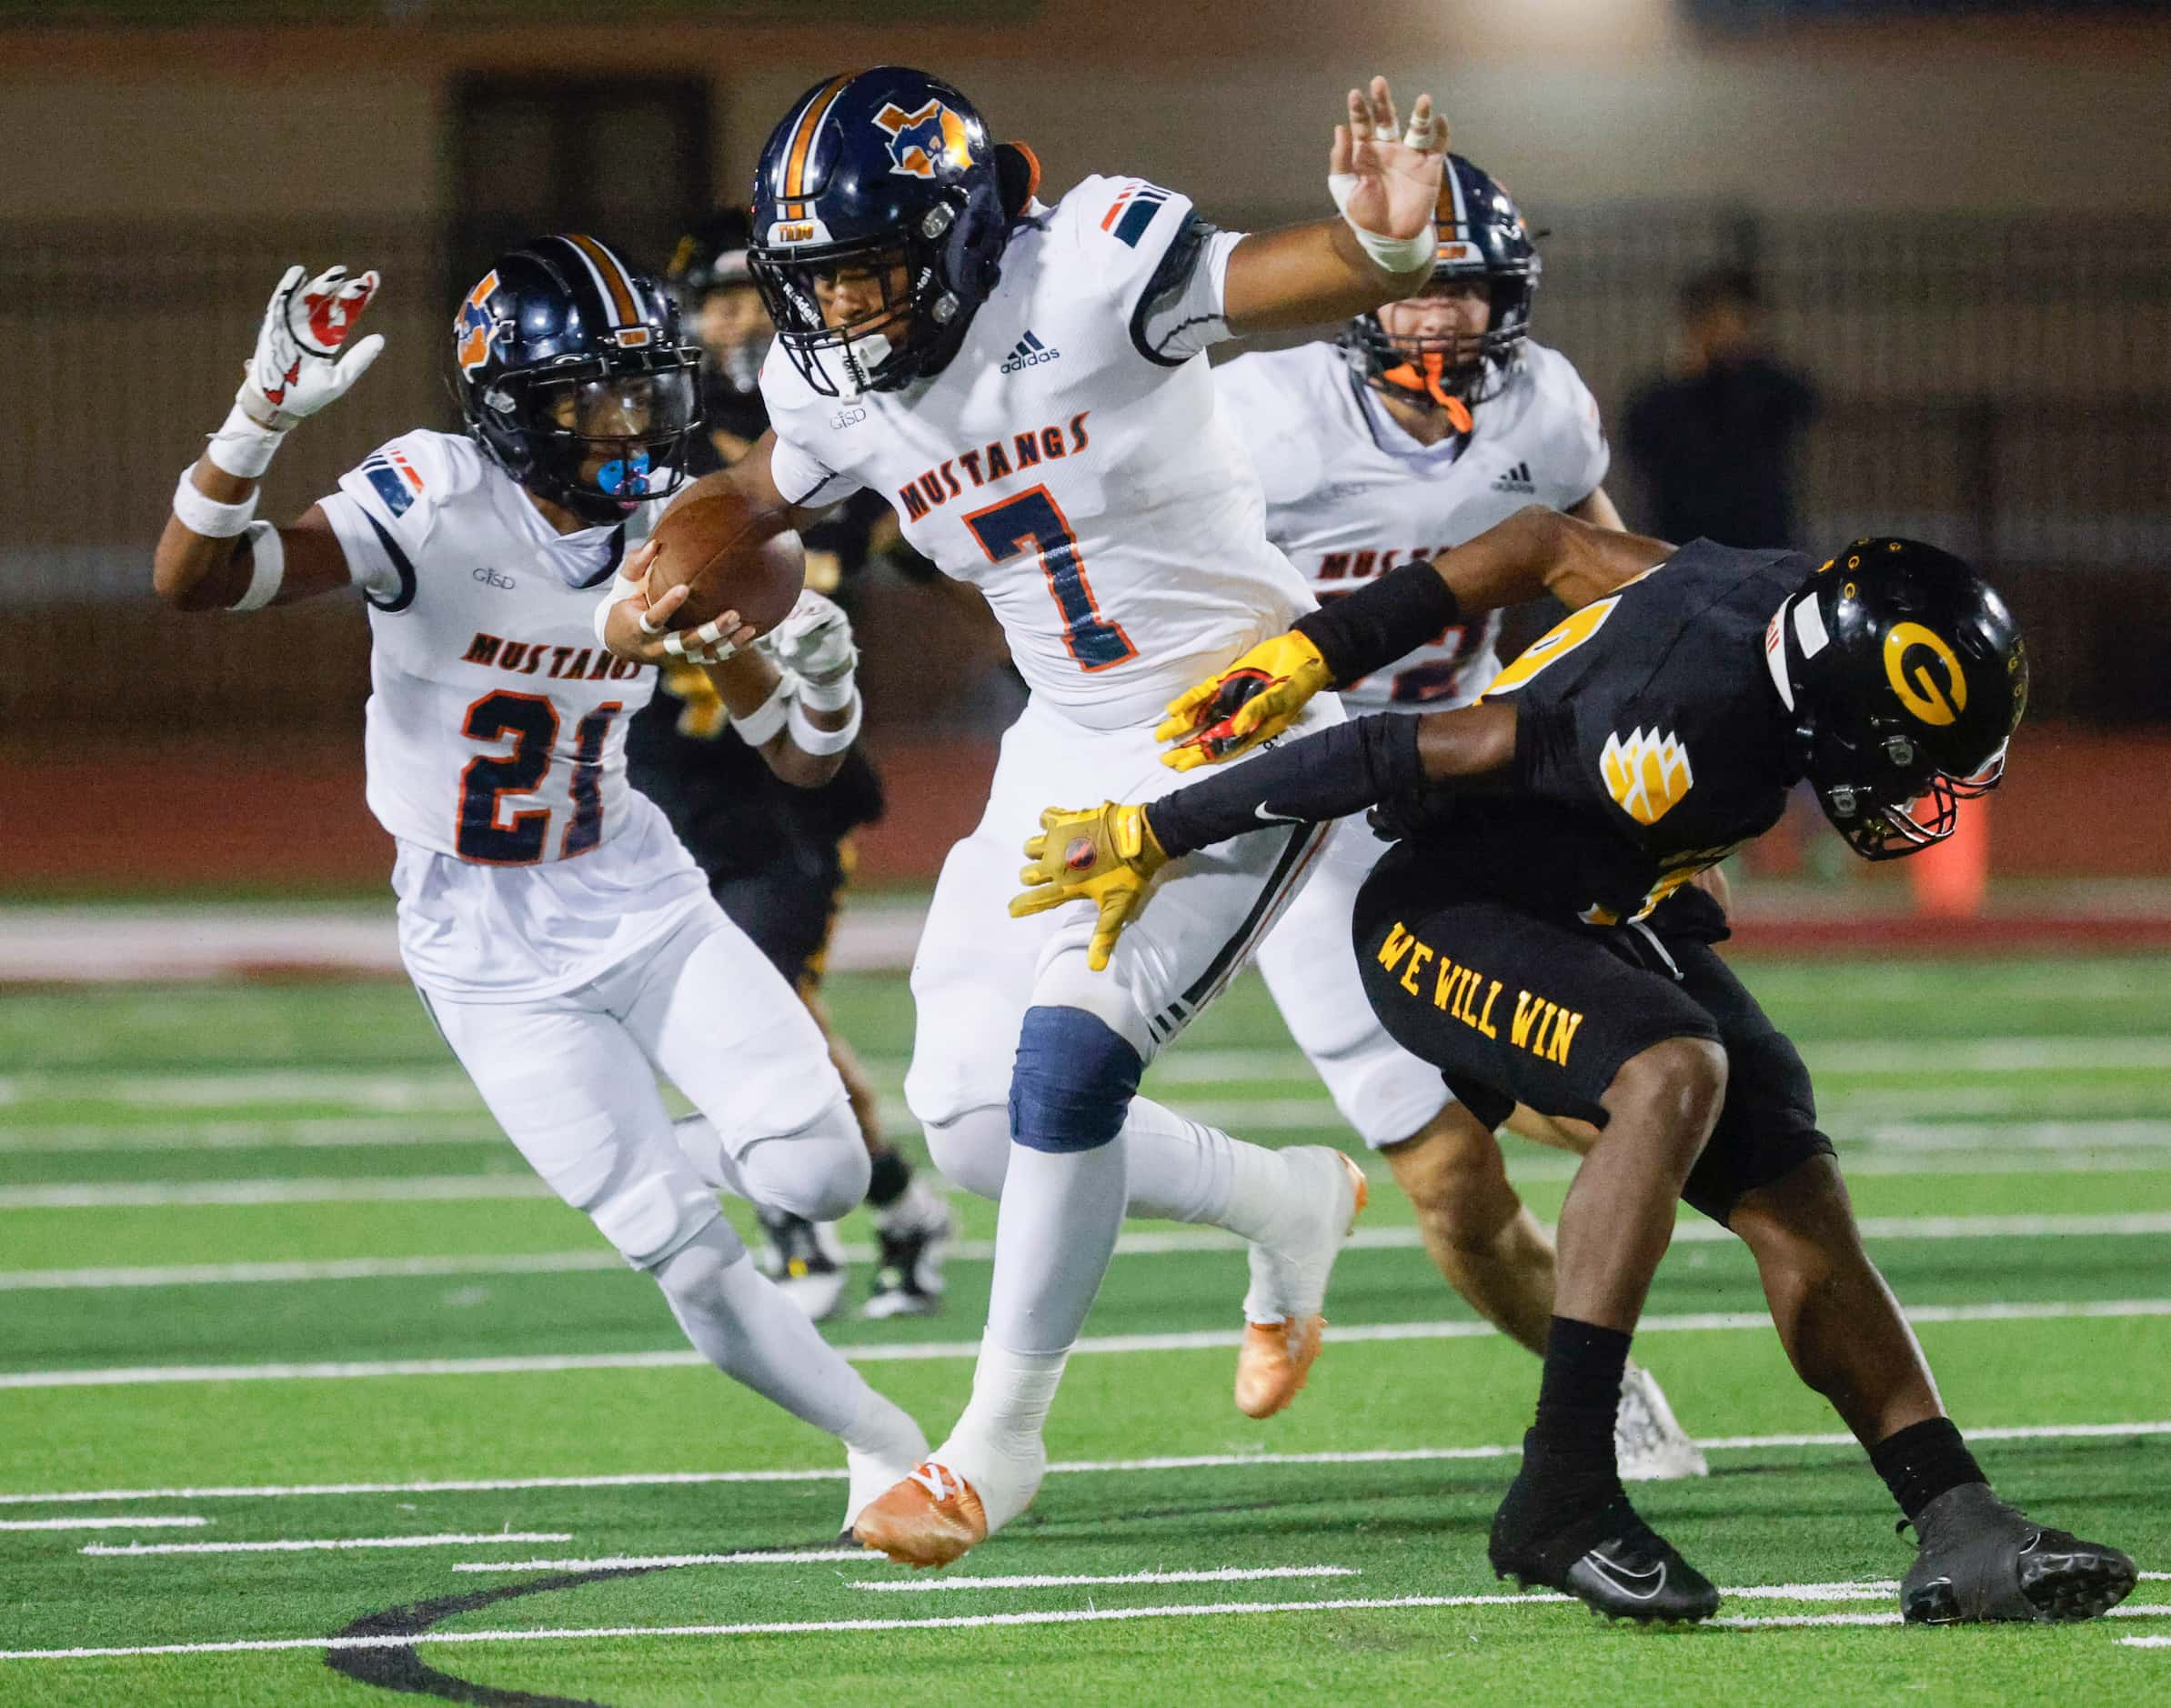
892,1174
1570,1483
1579,1395
1923,1461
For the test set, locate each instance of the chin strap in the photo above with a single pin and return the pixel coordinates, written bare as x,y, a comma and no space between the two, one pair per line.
1425,382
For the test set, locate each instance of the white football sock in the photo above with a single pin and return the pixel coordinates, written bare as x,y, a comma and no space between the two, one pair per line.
739,1321
1054,1234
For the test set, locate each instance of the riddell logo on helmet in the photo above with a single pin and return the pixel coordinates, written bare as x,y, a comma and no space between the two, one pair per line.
922,143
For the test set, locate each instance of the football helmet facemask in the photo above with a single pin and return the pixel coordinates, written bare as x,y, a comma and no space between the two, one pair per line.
574,377
1906,676
1482,236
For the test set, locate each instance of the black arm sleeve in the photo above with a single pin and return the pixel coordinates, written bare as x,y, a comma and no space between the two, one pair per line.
1330,775
1365,631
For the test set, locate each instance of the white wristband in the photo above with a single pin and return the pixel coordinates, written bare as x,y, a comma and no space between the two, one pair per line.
242,447
827,696
206,516
267,552
619,590
1397,255
821,743
758,728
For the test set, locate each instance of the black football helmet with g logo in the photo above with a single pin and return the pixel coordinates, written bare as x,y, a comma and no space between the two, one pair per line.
1906,676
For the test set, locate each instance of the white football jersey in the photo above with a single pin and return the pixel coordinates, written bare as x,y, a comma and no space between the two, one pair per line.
1350,495
496,728
1089,490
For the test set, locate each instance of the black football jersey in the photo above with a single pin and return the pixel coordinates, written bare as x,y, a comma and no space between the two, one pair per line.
1650,742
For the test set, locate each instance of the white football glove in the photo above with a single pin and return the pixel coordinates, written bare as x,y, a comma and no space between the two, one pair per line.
814,642
298,367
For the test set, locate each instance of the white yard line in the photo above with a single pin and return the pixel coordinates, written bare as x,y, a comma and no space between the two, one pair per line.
1052,1580
174,1194
299,1133
958,1621
628,1561
2146,1642
1072,1467
330,1545
1156,1244
915,1352
120,1521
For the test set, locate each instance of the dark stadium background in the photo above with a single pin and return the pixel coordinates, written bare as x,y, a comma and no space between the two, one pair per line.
1961,214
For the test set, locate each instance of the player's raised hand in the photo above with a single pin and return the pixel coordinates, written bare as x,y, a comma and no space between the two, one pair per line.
1386,179
1106,855
306,354
1253,701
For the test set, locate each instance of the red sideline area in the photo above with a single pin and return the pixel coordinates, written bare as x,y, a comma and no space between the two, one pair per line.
209,814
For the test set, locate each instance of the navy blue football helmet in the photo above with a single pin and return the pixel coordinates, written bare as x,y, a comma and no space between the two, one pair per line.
1906,676
887,173
1481,236
574,377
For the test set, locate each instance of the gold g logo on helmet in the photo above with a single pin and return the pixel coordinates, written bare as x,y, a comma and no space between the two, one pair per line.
1914,679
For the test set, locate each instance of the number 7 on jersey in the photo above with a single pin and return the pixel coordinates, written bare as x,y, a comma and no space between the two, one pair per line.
1034,520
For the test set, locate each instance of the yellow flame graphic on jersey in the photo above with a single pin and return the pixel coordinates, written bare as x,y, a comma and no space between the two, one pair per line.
1918,691
1646,773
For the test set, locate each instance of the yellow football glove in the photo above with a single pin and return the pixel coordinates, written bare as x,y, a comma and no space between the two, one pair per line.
1106,855
1253,701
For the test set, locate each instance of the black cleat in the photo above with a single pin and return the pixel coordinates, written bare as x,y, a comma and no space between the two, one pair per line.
803,1259
1983,1559
1611,1562
915,1235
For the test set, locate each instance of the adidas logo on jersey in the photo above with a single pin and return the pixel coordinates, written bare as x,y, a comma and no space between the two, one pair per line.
1517,479
1030,352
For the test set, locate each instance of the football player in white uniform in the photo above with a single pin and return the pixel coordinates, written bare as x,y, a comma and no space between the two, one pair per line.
565,944
1429,421
1026,385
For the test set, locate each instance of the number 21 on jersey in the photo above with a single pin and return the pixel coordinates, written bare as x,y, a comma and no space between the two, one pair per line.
530,720
1034,521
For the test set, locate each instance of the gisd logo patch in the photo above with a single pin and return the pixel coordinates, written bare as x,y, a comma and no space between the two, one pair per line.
924,144
1646,773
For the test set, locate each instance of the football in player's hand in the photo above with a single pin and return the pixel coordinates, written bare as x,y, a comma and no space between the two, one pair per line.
734,557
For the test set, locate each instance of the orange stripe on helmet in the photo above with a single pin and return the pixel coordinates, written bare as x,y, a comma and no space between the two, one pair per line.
618,283
802,139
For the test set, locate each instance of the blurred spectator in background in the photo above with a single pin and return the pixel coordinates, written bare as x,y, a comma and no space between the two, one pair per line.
776,857
1713,444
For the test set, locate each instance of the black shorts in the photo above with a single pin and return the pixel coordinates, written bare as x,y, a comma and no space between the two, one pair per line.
789,906
1514,1008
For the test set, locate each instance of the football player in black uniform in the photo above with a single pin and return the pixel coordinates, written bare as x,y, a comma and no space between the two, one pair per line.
1512,938
777,857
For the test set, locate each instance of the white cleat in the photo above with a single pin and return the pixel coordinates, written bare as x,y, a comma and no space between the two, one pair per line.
1289,1279
1648,1443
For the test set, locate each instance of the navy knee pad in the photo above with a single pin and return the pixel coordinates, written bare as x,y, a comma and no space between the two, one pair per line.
1073,1080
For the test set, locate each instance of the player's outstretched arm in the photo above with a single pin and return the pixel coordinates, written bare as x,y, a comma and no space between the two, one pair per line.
214,554
1386,182
1109,855
1535,552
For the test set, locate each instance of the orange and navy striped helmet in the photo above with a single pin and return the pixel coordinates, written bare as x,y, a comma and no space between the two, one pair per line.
879,171
574,376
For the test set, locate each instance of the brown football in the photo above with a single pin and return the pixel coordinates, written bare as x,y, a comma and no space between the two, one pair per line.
735,556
